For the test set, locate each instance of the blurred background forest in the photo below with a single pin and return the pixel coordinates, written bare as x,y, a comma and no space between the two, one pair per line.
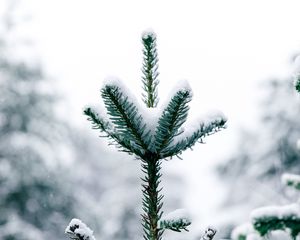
54,168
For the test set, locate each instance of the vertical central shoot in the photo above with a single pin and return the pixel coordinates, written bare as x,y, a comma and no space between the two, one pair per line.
150,67
152,199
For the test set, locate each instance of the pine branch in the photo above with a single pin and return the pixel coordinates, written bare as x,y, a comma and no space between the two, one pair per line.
97,121
125,117
150,72
152,199
175,221
271,218
172,119
120,142
188,142
268,224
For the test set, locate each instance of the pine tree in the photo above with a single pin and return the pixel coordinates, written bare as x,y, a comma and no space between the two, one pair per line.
127,129
33,201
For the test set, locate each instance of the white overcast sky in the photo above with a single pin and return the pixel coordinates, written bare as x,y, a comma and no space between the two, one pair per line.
223,48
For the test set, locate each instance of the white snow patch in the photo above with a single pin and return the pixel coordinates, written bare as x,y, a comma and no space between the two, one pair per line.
78,228
151,117
276,211
178,214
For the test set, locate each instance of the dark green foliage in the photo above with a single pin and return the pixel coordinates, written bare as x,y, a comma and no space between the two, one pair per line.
125,117
152,198
129,132
120,141
271,223
150,68
173,117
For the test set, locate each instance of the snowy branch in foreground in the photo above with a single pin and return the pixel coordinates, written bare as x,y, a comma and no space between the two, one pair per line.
78,230
271,218
292,180
209,234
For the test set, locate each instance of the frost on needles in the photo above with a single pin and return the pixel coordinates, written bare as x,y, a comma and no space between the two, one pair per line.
125,126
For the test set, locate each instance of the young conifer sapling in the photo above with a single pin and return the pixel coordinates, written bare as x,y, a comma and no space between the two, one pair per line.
150,143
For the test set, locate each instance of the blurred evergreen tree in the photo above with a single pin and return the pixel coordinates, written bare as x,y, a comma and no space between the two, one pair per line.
263,155
33,201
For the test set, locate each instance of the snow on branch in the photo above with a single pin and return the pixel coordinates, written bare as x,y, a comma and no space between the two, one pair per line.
149,33
267,219
177,220
292,180
173,117
78,230
195,133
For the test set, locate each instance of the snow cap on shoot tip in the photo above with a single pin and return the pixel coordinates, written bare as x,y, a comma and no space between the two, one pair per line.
79,231
148,33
